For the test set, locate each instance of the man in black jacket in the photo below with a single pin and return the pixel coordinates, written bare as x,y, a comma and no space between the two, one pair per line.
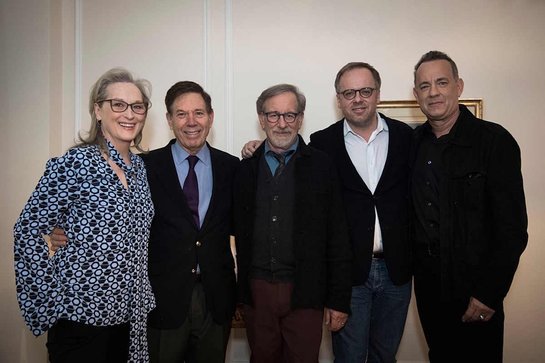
470,219
371,152
292,244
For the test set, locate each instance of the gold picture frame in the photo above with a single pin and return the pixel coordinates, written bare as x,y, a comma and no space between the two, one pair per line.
410,113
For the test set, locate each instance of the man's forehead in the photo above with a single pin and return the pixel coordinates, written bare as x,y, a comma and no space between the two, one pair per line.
357,73
189,108
189,101
285,99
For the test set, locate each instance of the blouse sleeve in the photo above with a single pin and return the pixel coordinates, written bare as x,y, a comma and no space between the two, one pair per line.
39,293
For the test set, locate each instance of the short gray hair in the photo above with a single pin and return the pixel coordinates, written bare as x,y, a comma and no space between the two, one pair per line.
277,90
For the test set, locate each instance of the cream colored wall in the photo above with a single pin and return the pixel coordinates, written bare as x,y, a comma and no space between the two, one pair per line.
53,50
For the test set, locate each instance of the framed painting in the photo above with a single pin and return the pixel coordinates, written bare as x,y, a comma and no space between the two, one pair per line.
409,111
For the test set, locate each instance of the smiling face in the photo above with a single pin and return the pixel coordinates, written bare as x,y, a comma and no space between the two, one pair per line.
359,112
120,128
437,91
281,135
190,121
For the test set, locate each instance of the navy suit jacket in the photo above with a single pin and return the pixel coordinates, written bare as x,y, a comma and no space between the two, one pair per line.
391,198
176,244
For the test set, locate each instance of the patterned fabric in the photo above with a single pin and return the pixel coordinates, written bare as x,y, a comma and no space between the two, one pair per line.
101,276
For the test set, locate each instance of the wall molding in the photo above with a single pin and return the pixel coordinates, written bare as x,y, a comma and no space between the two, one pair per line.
229,113
78,77
206,40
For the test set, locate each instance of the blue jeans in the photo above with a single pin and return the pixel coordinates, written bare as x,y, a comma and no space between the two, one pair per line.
375,327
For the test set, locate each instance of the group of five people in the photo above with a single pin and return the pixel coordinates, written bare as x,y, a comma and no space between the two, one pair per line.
331,232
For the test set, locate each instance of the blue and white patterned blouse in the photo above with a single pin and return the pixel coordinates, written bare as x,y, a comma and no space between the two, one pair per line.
101,277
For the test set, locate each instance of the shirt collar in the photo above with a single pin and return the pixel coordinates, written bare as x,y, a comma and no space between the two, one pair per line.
381,126
116,157
180,154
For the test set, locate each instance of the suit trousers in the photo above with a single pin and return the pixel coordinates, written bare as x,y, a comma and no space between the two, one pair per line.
278,333
70,341
449,339
198,340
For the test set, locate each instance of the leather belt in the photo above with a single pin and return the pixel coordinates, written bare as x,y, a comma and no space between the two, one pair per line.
378,255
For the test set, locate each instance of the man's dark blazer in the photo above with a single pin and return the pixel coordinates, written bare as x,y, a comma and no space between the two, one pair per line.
483,221
320,238
391,198
176,244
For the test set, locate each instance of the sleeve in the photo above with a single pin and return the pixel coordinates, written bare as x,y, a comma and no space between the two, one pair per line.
38,290
338,251
508,220
314,141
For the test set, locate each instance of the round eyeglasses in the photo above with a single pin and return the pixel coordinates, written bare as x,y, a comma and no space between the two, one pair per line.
274,117
140,108
364,92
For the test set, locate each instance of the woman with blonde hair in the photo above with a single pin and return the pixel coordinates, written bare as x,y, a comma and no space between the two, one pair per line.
93,296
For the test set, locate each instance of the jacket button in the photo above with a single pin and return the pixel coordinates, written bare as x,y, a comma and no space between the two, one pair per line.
193,271
198,244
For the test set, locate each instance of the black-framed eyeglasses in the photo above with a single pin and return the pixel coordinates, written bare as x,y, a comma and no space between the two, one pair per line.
140,108
274,117
364,92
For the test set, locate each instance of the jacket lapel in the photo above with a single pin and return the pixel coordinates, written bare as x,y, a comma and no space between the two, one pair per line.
347,171
391,157
168,178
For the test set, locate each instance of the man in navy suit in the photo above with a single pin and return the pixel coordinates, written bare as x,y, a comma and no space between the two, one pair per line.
371,152
190,262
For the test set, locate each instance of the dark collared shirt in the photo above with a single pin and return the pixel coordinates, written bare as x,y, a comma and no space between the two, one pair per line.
272,162
426,180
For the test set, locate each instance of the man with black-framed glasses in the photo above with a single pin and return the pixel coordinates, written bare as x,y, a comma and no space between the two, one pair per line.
371,153
292,243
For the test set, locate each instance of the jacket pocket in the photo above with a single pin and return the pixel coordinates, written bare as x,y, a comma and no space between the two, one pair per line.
469,190
467,198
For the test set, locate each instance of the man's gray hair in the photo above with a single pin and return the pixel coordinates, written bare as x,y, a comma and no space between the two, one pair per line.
277,90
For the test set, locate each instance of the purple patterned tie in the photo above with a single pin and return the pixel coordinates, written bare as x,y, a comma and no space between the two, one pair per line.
191,189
